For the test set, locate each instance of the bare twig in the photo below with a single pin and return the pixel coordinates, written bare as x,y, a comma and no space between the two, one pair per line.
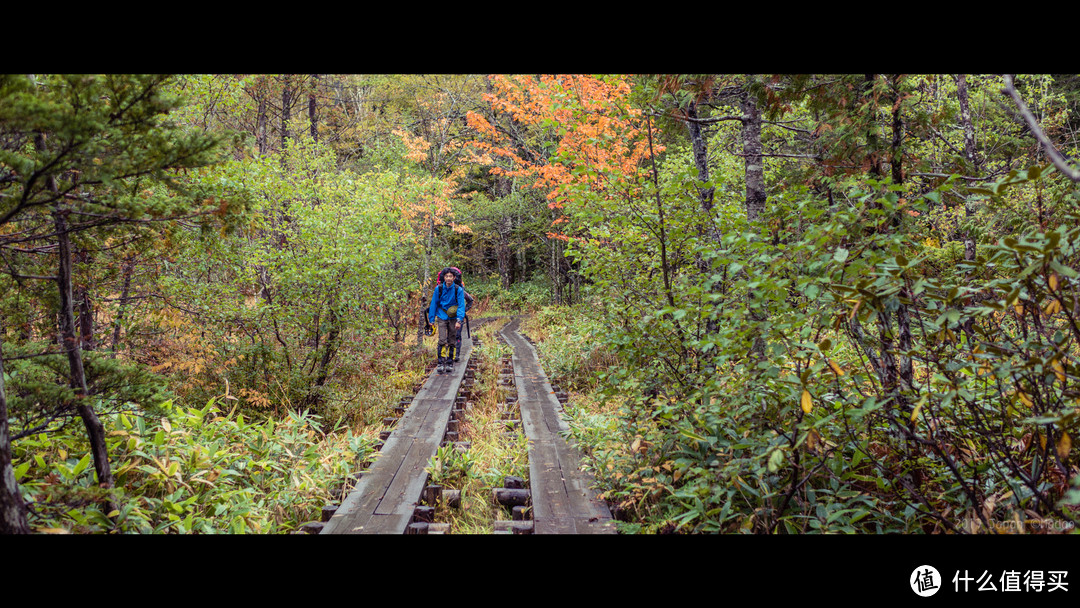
1052,152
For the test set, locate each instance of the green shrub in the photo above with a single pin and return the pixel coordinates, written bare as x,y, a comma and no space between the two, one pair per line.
196,470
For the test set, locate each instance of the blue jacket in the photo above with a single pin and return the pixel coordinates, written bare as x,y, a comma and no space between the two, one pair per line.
443,298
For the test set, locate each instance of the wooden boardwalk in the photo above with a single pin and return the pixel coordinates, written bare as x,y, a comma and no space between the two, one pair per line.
562,501
387,494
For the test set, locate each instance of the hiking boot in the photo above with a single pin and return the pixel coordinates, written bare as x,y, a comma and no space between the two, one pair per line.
439,367
450,366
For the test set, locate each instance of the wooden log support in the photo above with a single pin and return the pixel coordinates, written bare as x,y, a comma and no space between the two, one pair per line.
438,528
424,513
389,421
328,512
384,435
431,494
417,527
509,497
452,498
513,482
512,527
521,513
312,527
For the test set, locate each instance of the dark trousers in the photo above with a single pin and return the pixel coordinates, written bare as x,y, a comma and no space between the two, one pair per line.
448,337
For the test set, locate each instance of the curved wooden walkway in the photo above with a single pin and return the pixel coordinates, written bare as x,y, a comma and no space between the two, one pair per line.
562,500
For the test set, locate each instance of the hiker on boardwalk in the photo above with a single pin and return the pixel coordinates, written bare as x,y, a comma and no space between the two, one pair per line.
469,300
447,311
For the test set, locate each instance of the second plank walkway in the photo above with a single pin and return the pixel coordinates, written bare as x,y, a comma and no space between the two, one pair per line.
563,502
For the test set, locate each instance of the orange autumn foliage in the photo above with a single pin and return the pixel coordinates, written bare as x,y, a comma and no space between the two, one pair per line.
600,142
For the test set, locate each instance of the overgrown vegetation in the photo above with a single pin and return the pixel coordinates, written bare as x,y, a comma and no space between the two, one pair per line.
781,303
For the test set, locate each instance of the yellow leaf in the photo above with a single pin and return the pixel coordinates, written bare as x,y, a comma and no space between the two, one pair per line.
1064,444
836,368
918,408
1024,398
1053,307
1059,369
53,531
1053,281
806,402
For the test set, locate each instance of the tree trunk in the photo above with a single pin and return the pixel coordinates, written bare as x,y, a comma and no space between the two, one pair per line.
425,280
753,158
701,158
314,398
311,108
754,164
261,138
906,371
286,109
502,251
969,154
86,310
705,199
12,508
95,431
125,296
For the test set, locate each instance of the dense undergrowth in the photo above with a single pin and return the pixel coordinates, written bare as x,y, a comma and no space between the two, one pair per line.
198,470
893,388
229,465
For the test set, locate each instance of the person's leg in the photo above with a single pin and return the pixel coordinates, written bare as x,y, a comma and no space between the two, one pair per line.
444,337
451,347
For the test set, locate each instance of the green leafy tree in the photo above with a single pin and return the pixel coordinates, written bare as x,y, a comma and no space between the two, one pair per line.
77,153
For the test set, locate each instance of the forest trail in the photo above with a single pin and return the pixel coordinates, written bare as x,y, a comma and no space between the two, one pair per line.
385,499
390,495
